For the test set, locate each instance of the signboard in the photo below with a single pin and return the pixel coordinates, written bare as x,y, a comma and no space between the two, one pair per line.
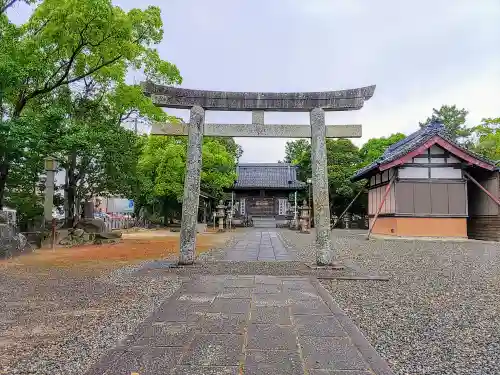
118,205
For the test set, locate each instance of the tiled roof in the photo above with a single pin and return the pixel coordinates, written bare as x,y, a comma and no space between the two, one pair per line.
410,143
276,176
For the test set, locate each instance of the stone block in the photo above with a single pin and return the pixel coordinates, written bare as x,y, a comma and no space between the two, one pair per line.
206,370
214,350
271,315
180,311
266,288
231,306
166,334
143,360
223,323
236,293
273,362
330,353
319,326
270,336
314,307
241,282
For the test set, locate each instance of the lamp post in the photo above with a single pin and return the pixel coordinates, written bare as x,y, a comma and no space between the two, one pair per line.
50,169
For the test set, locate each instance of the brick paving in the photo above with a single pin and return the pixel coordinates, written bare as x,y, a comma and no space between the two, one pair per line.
246,324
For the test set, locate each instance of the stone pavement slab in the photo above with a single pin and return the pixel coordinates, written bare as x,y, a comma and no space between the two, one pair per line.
259,245
253,325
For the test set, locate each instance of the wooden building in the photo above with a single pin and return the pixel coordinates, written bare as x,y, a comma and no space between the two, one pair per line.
429,180
263,193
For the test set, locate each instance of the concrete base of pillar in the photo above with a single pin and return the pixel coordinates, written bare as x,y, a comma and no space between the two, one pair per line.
333,266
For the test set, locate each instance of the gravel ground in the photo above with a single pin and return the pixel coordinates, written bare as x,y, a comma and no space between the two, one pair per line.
440,311
60,323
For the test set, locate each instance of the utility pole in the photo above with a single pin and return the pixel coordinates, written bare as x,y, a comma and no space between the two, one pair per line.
135,125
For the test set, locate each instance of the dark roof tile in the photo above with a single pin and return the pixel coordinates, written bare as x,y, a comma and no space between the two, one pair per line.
410,143
275,175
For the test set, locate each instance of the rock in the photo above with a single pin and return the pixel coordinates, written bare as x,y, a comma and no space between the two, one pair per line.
78,232
109,235
23,241
92,225
102,241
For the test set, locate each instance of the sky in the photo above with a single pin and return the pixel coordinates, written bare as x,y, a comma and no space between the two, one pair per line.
420,54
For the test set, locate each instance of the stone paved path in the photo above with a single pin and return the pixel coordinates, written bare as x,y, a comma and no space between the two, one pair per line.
259,245
251,325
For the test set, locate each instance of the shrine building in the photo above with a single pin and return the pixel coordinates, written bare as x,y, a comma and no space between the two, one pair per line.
427,185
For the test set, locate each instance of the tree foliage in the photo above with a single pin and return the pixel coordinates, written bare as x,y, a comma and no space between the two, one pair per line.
63,43
375,147
487,139
161,170
453,119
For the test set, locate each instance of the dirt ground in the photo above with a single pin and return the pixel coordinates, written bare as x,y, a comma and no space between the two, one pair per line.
52,299
133,248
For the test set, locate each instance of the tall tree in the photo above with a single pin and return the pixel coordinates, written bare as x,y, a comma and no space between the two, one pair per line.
295,150
162,167
342,158
375,147
98,155
487,139
453,119
65,42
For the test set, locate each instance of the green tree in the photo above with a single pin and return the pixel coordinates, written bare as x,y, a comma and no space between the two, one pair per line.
487,138
98,155
375,147
63,43
161,171
294,150
343,159
454,121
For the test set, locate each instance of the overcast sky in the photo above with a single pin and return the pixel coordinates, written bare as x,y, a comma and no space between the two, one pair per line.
420,54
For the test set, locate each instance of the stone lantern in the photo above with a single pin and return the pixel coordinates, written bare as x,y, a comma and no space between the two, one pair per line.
347,220
304,217
221,212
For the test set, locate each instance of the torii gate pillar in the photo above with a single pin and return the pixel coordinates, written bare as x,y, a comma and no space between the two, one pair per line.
321,199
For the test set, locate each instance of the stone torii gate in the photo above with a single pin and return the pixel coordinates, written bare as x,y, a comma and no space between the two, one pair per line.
316,103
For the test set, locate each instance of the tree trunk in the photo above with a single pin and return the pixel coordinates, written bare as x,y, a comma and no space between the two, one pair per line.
4,171
71,190
5,165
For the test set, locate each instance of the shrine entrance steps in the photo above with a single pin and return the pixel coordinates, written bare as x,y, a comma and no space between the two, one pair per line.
264,221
